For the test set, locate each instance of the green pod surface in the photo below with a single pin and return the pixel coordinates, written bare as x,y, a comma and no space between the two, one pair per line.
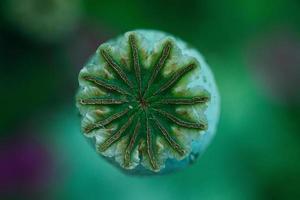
148,102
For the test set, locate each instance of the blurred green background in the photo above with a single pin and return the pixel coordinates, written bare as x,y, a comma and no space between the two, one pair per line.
253,48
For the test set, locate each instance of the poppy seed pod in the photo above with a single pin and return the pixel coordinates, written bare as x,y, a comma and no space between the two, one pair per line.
148,101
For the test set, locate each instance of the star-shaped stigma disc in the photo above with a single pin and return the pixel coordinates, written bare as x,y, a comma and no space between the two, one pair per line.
128,100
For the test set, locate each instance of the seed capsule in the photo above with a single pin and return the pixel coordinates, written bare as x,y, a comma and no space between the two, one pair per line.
159,99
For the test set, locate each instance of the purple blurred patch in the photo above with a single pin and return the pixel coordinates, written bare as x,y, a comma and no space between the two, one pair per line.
26,166
275,60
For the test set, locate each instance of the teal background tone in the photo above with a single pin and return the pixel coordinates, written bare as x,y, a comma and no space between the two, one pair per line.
253,48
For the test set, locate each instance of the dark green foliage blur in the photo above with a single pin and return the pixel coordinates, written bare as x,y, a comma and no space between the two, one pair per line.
253,48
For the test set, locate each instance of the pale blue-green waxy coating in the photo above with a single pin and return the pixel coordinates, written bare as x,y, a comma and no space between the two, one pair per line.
149,102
